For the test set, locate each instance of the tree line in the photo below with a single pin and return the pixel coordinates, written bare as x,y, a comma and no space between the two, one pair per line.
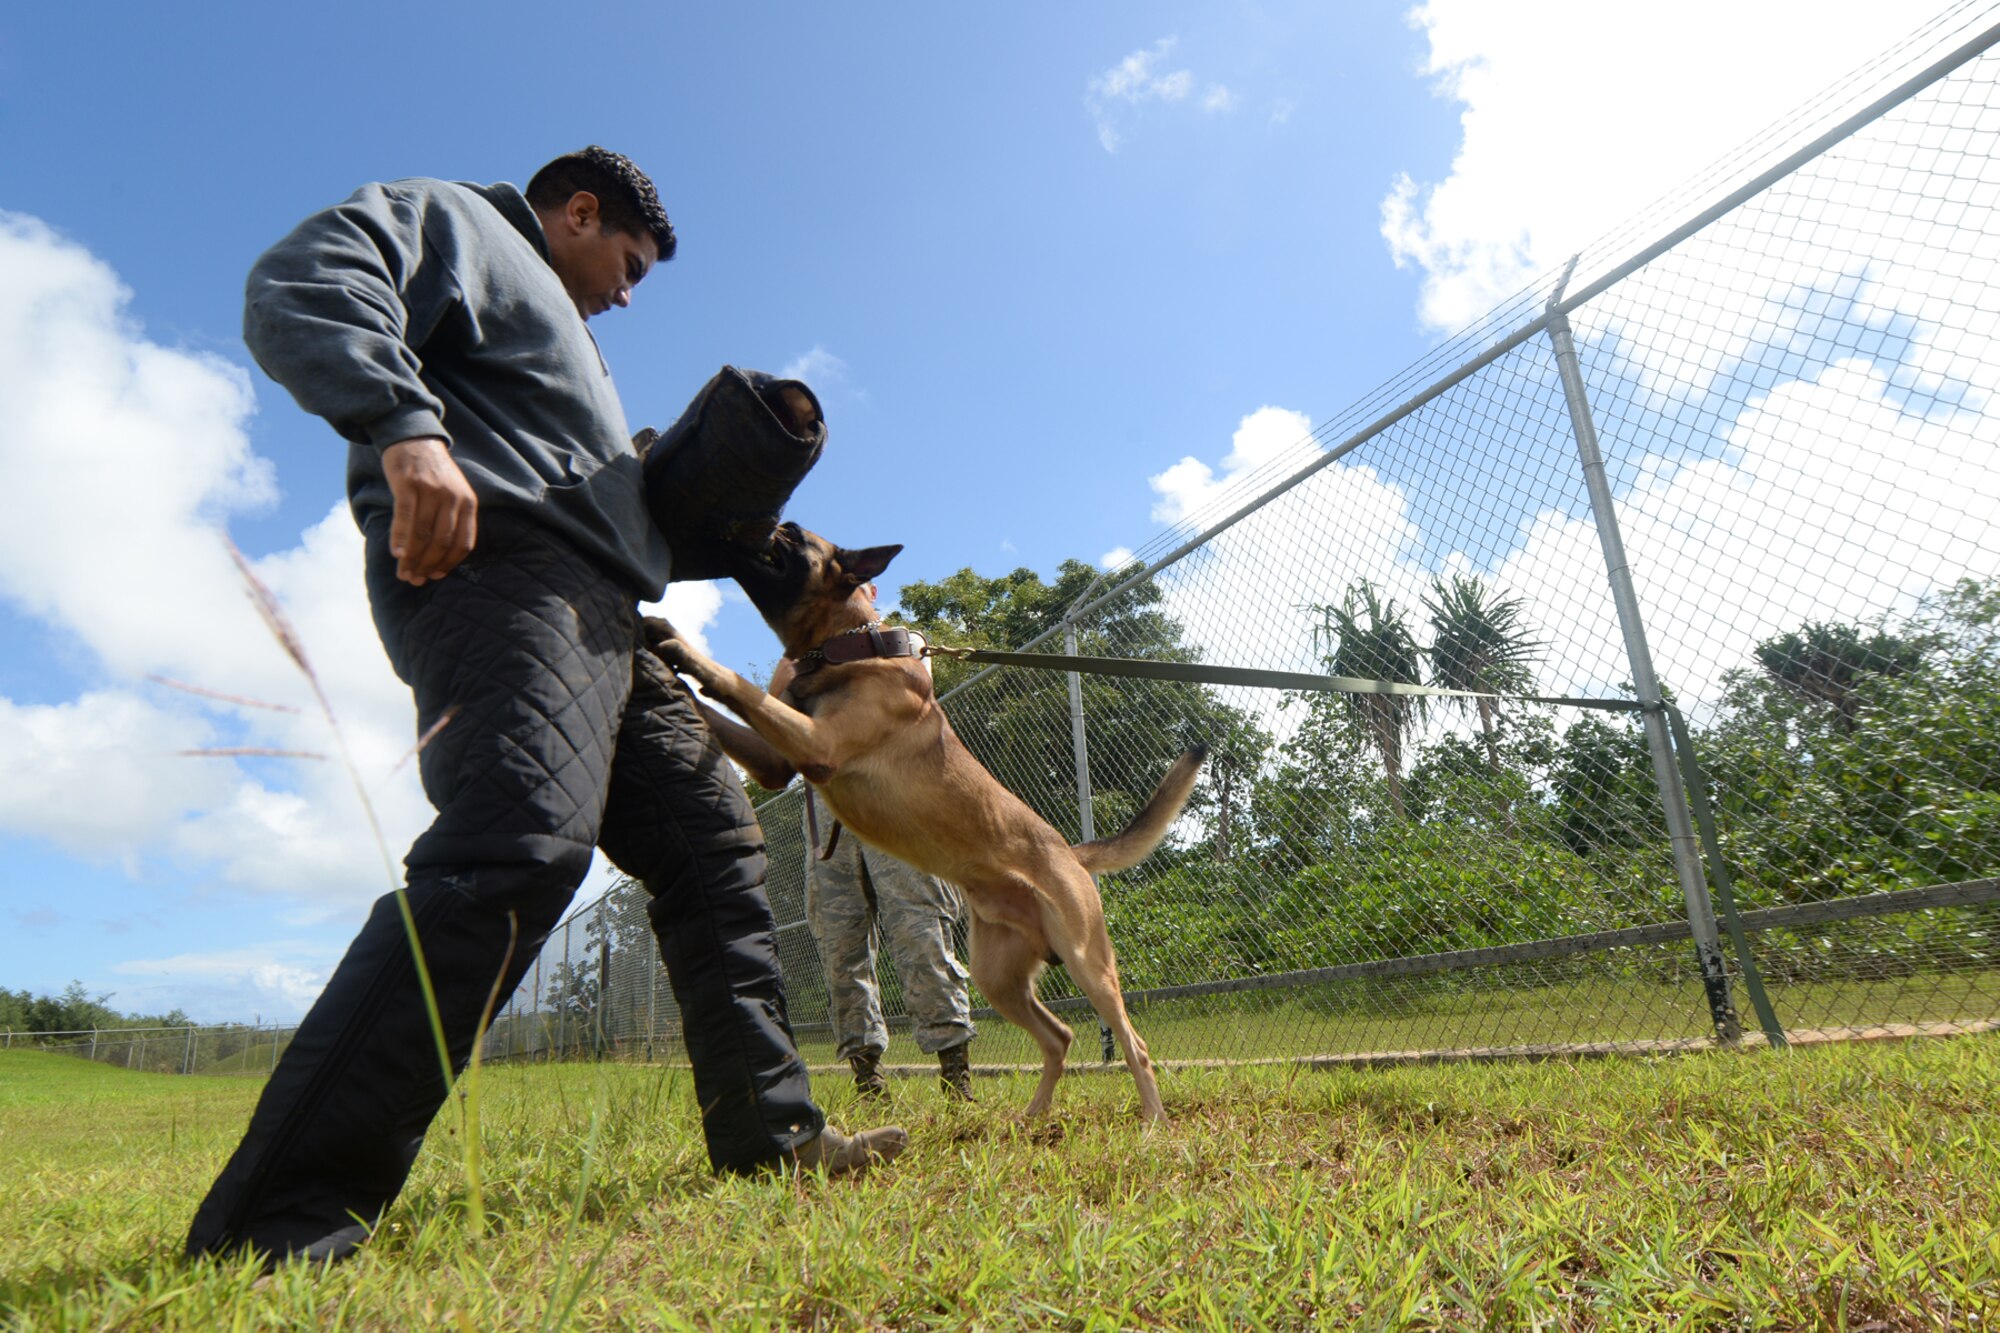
75,1010
1842,758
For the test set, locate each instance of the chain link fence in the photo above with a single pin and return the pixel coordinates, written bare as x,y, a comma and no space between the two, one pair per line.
233,1048
1738,460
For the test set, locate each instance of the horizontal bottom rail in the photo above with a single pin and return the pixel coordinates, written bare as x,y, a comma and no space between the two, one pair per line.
1968,893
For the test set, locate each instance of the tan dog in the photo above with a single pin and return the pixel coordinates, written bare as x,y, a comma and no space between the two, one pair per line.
870,737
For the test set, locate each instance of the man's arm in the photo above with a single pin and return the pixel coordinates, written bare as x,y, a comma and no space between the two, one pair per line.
335,312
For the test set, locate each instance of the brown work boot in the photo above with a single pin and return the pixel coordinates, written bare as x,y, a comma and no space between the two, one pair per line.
837,1153
955,1071
868,1078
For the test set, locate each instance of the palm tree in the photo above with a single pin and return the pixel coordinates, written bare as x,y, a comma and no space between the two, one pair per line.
1482,646
1372,640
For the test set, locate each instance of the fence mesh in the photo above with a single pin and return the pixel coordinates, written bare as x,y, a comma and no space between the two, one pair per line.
1793,404
1739,457
1747,469
1790,405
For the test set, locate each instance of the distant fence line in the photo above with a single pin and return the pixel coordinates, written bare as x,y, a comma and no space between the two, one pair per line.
247,1048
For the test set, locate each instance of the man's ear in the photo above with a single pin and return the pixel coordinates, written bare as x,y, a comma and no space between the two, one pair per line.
859,567
582,209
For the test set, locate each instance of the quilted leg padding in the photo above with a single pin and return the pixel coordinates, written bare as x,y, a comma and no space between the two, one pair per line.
680,822
529,646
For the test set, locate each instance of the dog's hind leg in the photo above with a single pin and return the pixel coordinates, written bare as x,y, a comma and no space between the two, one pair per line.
1004,964
1079,935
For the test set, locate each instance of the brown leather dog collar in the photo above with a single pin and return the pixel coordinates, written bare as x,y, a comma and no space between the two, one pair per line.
860,644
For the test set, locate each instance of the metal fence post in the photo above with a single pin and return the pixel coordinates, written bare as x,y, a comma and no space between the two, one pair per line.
1077,738
187,1054
93,1043
1083,796
562,1006
1680,827
604,992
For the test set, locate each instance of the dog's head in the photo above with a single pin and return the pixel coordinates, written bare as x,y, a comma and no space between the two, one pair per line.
807,588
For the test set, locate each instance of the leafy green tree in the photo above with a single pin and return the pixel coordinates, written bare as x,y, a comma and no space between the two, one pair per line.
75,1010
1464,781
1420,890
1852,759
1314,798
1017,721
1366,637
1825,662
1605,794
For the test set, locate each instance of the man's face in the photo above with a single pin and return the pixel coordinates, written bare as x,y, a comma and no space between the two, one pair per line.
599,267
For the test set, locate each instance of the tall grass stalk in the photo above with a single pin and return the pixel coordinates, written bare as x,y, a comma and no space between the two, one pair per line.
280,626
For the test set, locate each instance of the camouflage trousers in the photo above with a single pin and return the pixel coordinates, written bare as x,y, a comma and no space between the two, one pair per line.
860,894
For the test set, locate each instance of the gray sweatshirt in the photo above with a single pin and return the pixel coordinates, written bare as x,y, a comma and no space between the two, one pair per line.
426,307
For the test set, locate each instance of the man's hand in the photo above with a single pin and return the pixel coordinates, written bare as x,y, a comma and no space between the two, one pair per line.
435,519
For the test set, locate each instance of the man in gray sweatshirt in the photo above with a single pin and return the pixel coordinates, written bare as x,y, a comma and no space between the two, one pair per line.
439,327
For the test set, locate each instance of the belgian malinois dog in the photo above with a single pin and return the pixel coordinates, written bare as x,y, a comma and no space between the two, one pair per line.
863,726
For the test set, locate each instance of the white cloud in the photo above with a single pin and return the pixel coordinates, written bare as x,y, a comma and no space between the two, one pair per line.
819,368
1115,96
124,460
1133,80
98,777
1576,114
1191,486
691,607
277,981
1116,558
1833,505
1830,502
1769,469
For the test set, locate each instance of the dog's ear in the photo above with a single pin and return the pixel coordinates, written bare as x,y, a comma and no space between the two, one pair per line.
859,567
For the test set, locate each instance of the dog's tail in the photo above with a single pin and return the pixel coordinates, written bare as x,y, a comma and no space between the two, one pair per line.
1150,825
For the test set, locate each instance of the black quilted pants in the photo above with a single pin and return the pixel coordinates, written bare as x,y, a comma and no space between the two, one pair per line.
566,734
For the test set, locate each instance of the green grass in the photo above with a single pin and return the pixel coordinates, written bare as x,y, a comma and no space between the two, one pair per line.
1855,1186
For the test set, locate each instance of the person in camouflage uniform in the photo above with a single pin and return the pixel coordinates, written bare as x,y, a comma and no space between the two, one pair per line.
852,895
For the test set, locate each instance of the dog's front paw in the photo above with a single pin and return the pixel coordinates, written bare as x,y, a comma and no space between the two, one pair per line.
676,653
684,659
657,630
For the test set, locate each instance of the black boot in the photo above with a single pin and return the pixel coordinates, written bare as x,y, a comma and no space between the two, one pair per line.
868,1078
955,1071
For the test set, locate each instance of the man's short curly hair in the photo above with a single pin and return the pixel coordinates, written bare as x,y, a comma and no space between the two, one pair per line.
626,198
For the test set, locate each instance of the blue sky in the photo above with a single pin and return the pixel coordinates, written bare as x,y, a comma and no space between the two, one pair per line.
1056,273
